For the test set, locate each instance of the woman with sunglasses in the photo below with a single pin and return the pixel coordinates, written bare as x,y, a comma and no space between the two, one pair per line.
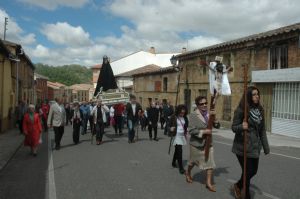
198,129
256,136
178,128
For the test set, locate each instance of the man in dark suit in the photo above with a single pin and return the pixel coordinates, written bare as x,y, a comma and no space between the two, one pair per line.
153,114
133,109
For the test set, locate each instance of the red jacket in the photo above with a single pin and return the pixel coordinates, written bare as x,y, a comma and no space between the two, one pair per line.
119,109
32,130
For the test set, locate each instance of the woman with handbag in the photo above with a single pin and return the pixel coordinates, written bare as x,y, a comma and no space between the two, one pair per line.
178,128
198,129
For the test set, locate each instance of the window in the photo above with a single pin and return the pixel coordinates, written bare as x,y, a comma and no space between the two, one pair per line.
286,101
227,108
165,84
157,86
226,59
279,57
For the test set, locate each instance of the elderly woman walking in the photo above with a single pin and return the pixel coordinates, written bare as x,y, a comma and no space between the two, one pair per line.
198,130
32,129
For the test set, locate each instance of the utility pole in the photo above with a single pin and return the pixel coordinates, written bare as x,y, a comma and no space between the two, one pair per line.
5,27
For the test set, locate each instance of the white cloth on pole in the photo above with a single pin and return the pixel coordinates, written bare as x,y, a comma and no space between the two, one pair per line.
225,90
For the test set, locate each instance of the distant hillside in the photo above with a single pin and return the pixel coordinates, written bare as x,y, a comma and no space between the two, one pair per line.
68,74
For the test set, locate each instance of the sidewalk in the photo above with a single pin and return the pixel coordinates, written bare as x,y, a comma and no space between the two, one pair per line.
274,139
10,142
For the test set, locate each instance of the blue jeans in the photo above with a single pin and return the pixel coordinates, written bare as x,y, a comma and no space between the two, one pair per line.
131,132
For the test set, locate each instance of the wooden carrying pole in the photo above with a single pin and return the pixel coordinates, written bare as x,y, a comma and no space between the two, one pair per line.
211,119
245,131
176,101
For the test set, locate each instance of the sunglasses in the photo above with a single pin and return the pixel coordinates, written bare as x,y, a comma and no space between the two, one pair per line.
201,104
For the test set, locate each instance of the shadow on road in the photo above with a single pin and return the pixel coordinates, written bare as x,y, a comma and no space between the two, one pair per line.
201,175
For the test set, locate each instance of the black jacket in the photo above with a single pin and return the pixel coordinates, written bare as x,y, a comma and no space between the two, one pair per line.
153,115
129,112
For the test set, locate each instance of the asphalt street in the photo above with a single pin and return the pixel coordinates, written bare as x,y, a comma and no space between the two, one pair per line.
117,169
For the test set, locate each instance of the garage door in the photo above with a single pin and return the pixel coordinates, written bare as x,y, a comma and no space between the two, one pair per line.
286,109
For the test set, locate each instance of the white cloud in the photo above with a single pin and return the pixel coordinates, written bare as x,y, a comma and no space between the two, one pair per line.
40,52
221,19
87,56
201,42
65,34
54,4
167,25
14,33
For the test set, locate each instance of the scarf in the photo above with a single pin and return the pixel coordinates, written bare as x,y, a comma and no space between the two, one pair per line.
205,115
255,115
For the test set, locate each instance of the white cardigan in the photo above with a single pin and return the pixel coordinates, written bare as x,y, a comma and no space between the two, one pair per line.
104,109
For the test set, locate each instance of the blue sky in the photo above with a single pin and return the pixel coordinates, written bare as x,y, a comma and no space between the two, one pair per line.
59,32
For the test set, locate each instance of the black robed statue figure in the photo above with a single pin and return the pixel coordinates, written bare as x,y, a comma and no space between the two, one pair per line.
106,78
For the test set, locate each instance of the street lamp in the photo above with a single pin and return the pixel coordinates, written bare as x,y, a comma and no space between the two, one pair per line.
16,60
178,68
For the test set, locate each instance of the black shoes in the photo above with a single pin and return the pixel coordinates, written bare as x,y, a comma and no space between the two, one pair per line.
174,165
181,171
57,147
155,139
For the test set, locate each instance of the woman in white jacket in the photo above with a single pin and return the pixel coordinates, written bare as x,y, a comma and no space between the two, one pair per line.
99,119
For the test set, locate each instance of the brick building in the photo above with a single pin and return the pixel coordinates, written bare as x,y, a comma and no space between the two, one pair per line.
273,59
156,84
151,83
41,89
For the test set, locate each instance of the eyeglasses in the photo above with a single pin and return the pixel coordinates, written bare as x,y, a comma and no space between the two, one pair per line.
201,104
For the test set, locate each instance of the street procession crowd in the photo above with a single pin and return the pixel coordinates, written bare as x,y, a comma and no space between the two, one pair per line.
185,128
193,129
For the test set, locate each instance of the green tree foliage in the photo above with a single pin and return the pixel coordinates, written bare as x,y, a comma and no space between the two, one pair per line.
67,74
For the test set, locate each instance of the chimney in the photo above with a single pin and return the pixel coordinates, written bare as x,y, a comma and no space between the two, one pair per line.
183,50
152,50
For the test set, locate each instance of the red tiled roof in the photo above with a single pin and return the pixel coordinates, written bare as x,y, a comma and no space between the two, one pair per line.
279,31
169,69
97,66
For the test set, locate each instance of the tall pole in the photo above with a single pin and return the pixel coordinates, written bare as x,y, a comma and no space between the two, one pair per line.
177,92
17,84
5,27
245,131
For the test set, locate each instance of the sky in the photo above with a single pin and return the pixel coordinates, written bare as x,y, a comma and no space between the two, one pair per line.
60,32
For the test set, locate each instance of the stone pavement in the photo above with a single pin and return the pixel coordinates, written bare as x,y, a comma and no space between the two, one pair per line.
12,140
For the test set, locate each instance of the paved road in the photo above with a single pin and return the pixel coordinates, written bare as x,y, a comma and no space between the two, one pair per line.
117,169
